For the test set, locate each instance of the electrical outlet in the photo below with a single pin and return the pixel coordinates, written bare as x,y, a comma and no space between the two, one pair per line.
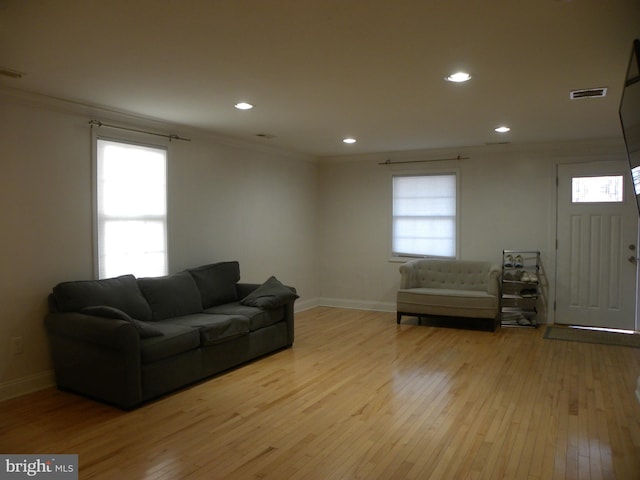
16,345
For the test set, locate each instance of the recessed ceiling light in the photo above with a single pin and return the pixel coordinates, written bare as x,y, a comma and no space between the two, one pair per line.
243,106
349,140
458,77
502,129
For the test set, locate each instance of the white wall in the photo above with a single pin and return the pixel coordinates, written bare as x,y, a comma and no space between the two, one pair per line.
507,201
226,201
323,227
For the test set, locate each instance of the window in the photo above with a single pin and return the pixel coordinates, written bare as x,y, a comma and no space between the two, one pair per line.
635,176
605,189
424,215
131,209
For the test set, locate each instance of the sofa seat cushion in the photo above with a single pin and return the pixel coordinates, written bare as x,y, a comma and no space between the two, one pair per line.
443,301
172,295
258,318
175,339
214,328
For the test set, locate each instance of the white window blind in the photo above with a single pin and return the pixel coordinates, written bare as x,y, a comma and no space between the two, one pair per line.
131,209
424,215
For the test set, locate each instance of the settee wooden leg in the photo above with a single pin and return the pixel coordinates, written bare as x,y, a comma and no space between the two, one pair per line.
398,317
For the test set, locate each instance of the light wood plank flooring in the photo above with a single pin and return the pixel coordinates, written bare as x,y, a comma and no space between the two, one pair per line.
359,397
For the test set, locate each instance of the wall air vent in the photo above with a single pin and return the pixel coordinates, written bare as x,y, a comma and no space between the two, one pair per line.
588,93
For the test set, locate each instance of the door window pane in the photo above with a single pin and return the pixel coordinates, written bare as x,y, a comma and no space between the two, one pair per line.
605,189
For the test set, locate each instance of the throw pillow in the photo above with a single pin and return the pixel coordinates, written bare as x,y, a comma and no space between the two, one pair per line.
270,294
144,329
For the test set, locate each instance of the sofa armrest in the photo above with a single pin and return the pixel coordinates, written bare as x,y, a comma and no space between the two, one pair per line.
289,318
245,289
97,357
107,332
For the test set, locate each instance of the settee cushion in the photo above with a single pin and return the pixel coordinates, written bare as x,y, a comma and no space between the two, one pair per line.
443,301
217,282
145,330
270,294
214,328
258,318
118,292
171,296
175,339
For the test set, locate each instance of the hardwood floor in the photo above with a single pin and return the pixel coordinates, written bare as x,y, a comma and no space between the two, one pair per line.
359,397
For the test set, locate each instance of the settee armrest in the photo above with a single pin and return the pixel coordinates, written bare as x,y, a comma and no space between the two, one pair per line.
493,287
406,274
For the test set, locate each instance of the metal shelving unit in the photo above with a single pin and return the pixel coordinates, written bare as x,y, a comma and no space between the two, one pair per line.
519,288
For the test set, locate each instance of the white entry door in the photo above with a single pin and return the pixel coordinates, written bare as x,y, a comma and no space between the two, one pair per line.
596,257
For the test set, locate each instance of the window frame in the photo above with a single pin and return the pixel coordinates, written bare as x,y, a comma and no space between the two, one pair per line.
395,257
133,139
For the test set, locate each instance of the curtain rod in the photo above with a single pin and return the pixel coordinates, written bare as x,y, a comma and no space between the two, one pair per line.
170,137
389,162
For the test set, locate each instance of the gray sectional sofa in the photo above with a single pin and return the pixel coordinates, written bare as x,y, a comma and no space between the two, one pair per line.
126,340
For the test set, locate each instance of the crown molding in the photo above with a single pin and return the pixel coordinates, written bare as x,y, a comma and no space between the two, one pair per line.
125,118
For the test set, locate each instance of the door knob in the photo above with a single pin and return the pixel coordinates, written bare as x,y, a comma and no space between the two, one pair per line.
632,247
632,259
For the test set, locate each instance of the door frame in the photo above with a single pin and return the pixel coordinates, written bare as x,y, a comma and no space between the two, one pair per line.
553,240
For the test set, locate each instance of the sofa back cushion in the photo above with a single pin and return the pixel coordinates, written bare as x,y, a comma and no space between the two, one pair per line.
119,292
171,296
217,282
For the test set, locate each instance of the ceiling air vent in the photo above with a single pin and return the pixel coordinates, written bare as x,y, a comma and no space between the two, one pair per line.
588,93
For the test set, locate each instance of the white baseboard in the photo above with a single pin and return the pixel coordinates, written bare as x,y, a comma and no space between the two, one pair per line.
345,303
24,385
302,305
357,304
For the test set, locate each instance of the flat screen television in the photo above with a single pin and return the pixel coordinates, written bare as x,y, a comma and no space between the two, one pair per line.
630,116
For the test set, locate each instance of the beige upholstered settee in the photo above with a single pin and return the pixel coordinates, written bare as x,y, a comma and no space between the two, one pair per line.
450,288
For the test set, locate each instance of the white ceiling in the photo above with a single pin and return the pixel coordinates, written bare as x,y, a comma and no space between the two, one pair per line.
320,70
